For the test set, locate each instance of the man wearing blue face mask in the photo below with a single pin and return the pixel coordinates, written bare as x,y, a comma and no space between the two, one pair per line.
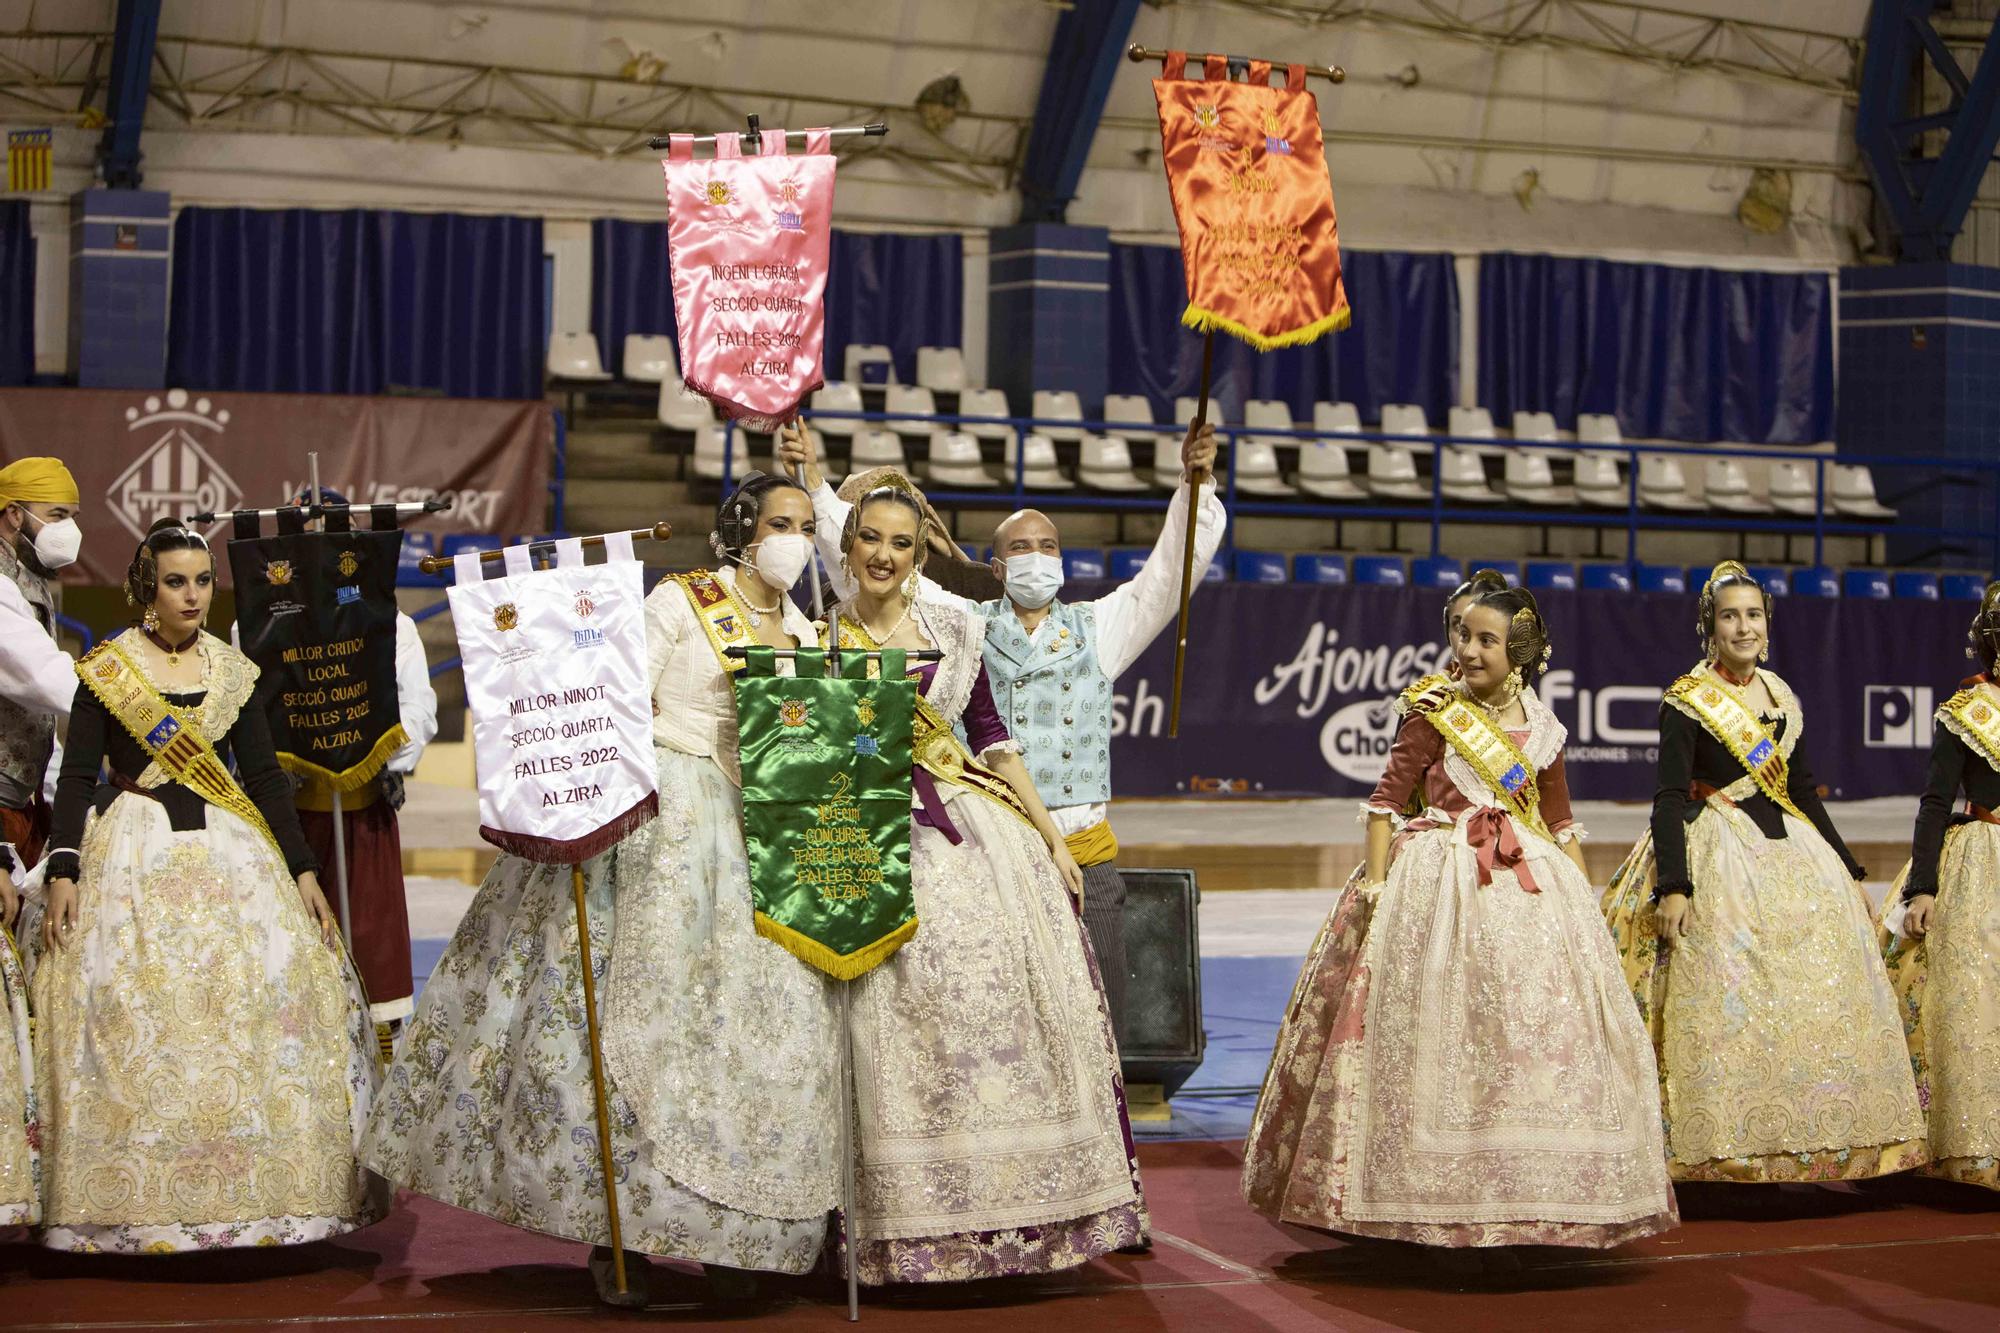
38,536
1051,664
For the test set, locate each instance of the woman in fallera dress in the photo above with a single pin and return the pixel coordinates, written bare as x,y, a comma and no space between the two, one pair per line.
1747,939
1459,1065
20,1129
990,1135
720,1049
1943,944
203,1053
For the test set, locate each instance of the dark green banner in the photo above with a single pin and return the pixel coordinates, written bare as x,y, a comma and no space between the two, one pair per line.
826,806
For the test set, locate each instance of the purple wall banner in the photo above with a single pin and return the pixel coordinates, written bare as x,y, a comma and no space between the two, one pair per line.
1288,688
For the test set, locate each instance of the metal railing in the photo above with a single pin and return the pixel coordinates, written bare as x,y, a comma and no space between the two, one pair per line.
1441,509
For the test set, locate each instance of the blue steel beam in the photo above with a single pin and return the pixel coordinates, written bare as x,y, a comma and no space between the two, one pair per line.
130,84
1927,198
1085,53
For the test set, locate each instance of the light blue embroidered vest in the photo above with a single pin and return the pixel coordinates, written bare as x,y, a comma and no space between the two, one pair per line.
1054,699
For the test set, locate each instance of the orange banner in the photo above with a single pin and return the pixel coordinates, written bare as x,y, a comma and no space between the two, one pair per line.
1259,240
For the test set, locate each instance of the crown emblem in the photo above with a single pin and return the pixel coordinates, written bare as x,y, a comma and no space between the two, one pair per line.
350,564
794,713
278,573
1208,116
718,193
505,617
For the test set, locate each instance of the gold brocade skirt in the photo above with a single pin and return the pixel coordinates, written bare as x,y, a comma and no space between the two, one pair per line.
20,1134
1948,992
1780,1051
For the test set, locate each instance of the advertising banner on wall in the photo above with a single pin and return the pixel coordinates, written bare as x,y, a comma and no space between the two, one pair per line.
141,455
1288,689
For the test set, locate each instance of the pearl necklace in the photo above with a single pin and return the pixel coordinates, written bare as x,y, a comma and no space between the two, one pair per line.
882,640
757,613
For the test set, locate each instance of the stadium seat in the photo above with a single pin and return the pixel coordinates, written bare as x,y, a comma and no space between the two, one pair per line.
1963,587
987,403
1867,583
1050,408
1663,484
1815,581
1436,571
1661,578
1323,465
1087,563
1854,493
878,448
1509,570
649,359
714,442
1607,578
1792,488
1392,465
1529,478
1319,568
1726,488
1040,470
1770,576
911,400
1599,482
574,357
1535,428
1127,561
1544,575
868,363
1915,583
838,396
1260,567
1380,570
680,410
1464,467
954,461
1104,463
1257,469
941,369
409,574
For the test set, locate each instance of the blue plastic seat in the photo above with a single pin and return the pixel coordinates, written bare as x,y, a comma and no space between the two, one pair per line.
1261,567
1213,574
1384,571
1662,578
1915,583
409,574
1963,587
1546,574
1774,579
1509,570
1436,571
1086,563
1323,569
1607,578
1127,561
1815,581
1867,583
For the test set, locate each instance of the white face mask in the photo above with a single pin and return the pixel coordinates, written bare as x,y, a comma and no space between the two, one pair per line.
779,560
58,544
1033,580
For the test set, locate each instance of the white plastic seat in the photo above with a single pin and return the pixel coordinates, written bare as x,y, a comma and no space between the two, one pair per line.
574,356
1530,479
911,400
1663,483
680,410
1792,488
1464,470
1726,487
1040,469
985,403
1598,428
1323,464
1599,482
1104,463
1476,422
838,396
649,358
878,448
709,452
954,461
941,369
861,354
1392,464
1128,409
1538,427
1257,468
1268,414
1854,492
1056,405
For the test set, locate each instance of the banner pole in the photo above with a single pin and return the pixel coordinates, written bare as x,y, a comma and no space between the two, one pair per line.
819,598
847,1156
339,815
597,1081
1194,482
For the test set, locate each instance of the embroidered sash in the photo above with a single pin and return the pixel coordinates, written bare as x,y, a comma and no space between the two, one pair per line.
935,748
1728,719
1975,719
170,737
1484,745
722,619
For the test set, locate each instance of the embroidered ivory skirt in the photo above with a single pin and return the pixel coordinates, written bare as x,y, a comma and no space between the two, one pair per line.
20,1127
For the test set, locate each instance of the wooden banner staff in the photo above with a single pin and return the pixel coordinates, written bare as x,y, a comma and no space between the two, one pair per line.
1195,479
1331,73
438,564
661,143
407,509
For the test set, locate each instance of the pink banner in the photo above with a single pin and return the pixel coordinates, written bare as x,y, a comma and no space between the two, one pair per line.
748,237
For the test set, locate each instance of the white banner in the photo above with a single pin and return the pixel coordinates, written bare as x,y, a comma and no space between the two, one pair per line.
562,712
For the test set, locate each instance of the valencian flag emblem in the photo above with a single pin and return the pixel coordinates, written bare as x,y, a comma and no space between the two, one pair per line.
1247,171
316,612
826,806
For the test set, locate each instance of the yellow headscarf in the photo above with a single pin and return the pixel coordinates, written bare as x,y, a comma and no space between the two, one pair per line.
37,481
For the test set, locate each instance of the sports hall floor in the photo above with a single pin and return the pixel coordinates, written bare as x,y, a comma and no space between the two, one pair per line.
1899,1254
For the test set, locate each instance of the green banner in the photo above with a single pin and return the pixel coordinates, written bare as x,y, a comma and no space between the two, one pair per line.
826,806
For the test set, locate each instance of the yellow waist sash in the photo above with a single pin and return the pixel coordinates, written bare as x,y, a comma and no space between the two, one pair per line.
1094,846
170,738
1728,719
722,619
1491,752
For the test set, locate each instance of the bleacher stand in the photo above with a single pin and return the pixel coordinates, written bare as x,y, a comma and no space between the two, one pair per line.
1324,469
1817,581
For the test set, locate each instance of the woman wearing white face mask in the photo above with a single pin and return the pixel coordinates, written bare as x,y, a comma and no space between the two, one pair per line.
720,1048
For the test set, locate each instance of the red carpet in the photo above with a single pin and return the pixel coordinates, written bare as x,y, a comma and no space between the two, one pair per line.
1905,1254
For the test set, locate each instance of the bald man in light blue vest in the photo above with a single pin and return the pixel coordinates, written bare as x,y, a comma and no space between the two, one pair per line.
1051,665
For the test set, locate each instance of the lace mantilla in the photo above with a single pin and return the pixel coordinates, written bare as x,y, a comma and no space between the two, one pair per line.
228,678
1544,745
1788,708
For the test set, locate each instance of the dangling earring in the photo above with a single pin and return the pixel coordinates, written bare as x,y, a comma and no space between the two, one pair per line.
151,621
1511,687
1764,653
910,585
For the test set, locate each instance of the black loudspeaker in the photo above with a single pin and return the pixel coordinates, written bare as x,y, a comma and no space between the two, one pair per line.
1160,1036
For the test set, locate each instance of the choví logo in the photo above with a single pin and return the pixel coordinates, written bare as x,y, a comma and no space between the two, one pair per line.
175,475
1356,740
